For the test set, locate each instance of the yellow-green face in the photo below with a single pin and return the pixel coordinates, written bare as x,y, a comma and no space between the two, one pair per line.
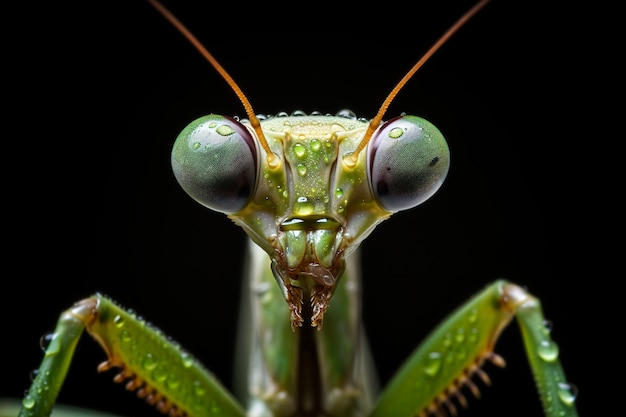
309,210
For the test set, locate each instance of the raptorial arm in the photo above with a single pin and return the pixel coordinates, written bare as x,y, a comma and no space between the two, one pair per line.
432,379
151,364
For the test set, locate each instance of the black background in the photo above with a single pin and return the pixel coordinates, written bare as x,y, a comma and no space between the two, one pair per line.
104,88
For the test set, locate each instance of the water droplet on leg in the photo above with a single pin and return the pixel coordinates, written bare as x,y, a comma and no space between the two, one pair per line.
567,393
548,350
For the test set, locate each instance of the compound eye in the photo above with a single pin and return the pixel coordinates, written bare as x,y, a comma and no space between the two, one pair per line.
408,161
214,160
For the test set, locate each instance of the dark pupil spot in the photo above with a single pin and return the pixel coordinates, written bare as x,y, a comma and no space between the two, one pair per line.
434,161
382,189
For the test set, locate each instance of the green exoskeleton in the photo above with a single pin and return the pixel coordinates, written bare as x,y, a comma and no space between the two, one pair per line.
308,189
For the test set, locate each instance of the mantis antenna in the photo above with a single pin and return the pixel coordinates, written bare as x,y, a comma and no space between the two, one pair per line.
254,121
349,160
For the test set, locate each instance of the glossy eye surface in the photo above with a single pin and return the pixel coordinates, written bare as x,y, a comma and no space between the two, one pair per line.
214,160
408,161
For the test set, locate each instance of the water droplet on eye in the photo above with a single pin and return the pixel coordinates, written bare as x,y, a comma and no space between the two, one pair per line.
212,125
196,145
395,133
433,365
28,402
548,350
299,150
225,130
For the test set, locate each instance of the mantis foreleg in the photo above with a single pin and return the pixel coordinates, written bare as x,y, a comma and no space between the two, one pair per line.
152,365
431,381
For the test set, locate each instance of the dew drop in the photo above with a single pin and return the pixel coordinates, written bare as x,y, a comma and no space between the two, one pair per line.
459,337
44,341
339,193
172,382
198,389
473,335
447,340
299,150
548,350
396,133
28,402
225,130
125,336
159,373
196,145
316,145
118,321
303,206
567,393
349,114
33,374
54,344
301,169
187,360
547,327
148,362
473,316
433,364
212,125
